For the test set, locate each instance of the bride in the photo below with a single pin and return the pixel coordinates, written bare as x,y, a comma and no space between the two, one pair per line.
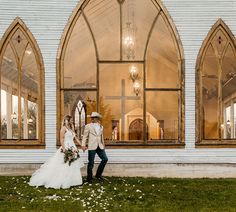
55,173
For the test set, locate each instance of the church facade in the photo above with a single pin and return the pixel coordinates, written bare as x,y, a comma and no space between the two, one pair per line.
161,73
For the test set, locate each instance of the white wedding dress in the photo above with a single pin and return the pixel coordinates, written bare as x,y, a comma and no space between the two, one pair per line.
55,173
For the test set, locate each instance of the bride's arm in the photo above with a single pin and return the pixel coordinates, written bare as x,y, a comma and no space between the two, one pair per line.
77,140
62,137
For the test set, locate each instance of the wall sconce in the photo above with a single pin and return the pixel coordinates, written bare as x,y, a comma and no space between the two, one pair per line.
137,87
133,70
30,120
14,116
228,122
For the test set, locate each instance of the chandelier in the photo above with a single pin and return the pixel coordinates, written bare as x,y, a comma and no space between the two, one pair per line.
129,41
129,44
129,34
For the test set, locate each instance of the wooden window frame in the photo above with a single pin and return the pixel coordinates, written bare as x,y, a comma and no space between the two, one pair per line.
180,143
38,143
200,142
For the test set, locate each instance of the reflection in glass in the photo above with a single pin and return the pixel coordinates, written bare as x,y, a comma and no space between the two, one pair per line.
228,73
80,58
32,119
15,132
104,19
136,24
20,85
162,69
3,114
80,118
218,79
162,114
210,95
23,120
121,105
227,123
79,104
109,43
234,109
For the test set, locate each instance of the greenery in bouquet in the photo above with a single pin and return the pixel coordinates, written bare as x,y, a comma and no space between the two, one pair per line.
70,155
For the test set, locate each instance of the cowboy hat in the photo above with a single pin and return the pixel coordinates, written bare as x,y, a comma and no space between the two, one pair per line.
95,115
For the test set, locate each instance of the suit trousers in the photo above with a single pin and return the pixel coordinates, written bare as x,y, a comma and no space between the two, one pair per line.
91,156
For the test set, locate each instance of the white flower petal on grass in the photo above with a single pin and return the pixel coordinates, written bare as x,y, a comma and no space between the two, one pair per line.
138,190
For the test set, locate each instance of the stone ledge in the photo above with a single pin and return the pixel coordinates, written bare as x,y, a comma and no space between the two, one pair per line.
141,170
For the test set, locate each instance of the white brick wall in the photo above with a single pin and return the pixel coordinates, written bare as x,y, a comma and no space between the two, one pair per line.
193,19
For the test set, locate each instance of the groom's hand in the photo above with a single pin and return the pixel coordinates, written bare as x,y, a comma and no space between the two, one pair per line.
83,148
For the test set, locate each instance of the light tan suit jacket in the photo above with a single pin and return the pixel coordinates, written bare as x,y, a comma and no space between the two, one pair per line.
94,140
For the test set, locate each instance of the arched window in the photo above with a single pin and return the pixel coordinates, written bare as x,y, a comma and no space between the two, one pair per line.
22,94
125,60
79,115
216,80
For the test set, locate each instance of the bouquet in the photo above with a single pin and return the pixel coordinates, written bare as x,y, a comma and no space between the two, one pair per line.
71,154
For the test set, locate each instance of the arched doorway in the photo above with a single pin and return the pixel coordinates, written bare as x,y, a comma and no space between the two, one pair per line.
136,130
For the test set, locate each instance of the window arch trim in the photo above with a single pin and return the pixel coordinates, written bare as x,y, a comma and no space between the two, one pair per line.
4,42
65,39
219,25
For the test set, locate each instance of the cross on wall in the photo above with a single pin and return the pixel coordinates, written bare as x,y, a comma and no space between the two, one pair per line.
123,99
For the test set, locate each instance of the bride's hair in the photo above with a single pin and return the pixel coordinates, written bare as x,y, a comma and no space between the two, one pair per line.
66,120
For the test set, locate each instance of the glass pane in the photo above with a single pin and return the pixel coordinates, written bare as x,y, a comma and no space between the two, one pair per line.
80,118
3,114
234,119
80,63
227,131
9,86
121,101
228,73
74,102
32,120
23,118
19,42
162,115
162,58
219,42
15,131
104,19
210,95
136,25
30,93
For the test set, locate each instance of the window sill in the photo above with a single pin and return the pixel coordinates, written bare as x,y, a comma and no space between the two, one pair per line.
24,144
150,144
216,144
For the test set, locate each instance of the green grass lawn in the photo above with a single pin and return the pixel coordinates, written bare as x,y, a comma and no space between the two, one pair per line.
121,194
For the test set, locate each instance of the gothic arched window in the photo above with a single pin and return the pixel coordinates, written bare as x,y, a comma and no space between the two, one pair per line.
216,96
79,115
125,60
21,75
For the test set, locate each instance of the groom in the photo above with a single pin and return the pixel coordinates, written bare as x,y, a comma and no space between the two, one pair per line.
93,135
